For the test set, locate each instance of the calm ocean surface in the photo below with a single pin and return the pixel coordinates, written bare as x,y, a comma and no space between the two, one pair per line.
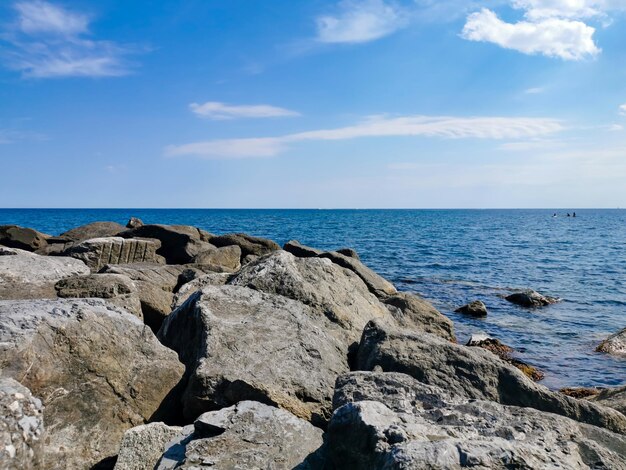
452,257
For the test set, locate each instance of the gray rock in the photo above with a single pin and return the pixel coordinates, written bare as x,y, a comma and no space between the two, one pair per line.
241,344
142,446
349,252
614,344
334,292
378,285
249,259
249,245
248,435
134,222
199,283
612,397
387,420
301,251
14,236
155,304
163,276
98,252
118,289
476,309
25,275
21,427
228,257
98,370
93,230
472,373
179,243
530,299
411,311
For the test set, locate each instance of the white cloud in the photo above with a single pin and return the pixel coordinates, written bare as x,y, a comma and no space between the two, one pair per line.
540,9
534,91
379,126
622,109
221,111
615,128
48,41
360,21
552,37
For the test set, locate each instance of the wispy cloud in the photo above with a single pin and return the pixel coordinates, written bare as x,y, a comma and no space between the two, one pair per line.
378,126
534,90
361,21
10,136
622,109
221,111
48,41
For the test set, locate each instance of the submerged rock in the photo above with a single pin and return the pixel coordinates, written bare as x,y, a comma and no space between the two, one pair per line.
530,299
614,344
472,373
390,420
21,427
241,344
476,309
98,370
28,239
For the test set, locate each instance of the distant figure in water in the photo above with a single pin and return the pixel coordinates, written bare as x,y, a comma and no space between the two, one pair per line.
574,214
568,214
554,215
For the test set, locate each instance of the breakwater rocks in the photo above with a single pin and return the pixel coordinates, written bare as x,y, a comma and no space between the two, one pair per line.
160,346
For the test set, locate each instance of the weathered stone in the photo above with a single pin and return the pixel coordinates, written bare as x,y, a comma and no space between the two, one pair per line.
476,309
241,344
118,289
199,283
334,292
249,259
387,420
612,397
349,252
134,222
378,285
249,245
163,276
21,427
301,251
155,303
25,275
530,299
98,370
614,344
411,311
14,236
248,435
179,243
98,252
228,257
470,372
142,446
93,230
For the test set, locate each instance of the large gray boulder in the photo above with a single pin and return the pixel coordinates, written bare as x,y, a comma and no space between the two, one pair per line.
331,291
92,230
142,446
392,421
614,344
249,245
248,435
378,285
197,284
98,252
21,427
241,344
179,243
25,275
98,370
118,289
14,236
165,277
472,373
227,257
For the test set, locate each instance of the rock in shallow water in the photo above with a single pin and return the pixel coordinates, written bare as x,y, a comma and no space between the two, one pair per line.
531,299
392,421
99,371
614,344
476,309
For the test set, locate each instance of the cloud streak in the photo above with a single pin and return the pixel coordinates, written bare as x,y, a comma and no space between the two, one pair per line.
47,41
445,127
221,111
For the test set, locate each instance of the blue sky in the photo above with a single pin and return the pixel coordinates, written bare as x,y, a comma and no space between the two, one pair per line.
370,103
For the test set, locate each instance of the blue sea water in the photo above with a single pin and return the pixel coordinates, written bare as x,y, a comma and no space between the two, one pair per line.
452,257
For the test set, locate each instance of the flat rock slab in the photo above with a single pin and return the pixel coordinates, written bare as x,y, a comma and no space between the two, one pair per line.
389,420
98,252
472,373
21,427
249,435
98,370
241,344
165,277
93,230
25,275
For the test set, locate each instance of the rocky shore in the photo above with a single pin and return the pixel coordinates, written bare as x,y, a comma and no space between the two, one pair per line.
167,347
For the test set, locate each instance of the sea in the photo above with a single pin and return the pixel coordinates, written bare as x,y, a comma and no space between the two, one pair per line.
451,257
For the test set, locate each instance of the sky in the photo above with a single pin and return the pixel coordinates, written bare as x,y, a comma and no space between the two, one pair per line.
313,104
